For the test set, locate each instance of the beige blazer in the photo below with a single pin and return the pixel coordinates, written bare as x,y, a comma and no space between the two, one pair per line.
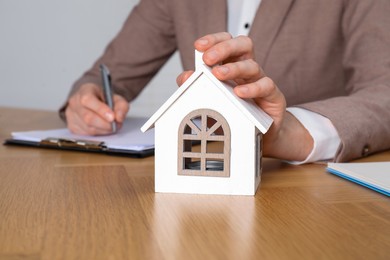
329,56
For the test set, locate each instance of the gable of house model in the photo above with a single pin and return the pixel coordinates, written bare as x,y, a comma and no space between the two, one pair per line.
246,106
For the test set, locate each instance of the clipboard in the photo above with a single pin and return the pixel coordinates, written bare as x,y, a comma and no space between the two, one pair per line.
128,141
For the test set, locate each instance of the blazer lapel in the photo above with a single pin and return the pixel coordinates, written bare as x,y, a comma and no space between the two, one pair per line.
269,18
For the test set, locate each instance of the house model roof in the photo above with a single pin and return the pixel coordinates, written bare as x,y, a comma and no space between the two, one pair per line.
247,106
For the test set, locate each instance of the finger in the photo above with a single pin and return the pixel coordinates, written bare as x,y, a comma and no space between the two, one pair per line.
93,103
183,77
80,130
88,122
80,118
121,107
76,129
94,121
204,43
86,119
239,48
241,71
267,96
76,125
263,88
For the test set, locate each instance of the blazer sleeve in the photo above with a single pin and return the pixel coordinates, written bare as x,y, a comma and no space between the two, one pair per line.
362,118
134,56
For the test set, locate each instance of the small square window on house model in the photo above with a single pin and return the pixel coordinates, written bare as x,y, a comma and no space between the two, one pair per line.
208,140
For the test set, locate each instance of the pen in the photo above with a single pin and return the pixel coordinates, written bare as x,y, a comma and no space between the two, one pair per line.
107,91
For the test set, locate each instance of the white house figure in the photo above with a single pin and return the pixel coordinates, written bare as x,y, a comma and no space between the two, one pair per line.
202,112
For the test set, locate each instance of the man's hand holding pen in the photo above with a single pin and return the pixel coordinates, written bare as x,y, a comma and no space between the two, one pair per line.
88,114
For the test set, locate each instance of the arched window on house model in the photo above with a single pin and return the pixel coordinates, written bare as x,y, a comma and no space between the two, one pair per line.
204,144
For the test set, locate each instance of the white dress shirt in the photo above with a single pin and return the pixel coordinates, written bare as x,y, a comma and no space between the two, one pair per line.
326,139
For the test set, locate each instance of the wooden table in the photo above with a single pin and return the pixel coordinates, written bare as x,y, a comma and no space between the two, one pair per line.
74,205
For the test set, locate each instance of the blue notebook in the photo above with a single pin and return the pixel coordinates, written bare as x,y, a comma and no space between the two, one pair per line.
373,175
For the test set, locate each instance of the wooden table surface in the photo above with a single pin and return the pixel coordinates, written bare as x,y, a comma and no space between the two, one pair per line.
74,205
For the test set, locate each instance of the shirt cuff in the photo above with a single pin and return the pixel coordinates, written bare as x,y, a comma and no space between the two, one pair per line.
324,134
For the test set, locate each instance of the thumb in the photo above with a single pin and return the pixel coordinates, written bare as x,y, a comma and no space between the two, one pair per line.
183,77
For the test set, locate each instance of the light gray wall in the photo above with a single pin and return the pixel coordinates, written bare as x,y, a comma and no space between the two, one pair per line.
45,45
